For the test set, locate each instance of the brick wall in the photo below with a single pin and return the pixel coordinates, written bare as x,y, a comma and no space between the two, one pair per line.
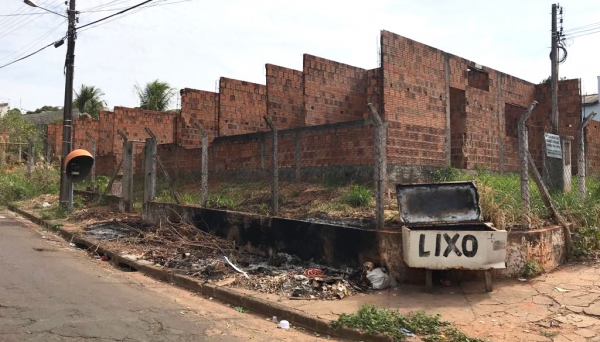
285,99
333,92
414,101
342,144
198,106
592,138
84,125
242,106
374,88
569,112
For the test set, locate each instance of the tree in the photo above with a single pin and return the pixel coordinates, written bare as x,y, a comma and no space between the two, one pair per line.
18,128
156,95
89,100
44,109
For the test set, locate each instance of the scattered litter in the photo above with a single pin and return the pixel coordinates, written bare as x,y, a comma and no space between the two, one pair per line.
446,282
237,269
46,205
379,279
407,332
284,324
522,279
210,298
104,258
184,249
44,237
481,322
561,290
526,330
72,244
2,217
274,319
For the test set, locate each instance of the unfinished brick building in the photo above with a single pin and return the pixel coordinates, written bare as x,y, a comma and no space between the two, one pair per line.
442,110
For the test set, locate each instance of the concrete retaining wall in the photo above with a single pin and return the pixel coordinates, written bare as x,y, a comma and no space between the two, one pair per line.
340,246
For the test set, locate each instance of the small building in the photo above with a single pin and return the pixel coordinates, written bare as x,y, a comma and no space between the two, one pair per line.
3,109
589,103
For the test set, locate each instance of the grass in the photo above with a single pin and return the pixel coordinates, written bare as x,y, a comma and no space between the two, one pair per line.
16,186
500,200
358,196
430,328
532,269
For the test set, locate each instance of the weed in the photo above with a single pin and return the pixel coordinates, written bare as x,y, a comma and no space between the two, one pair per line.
16,186
190,199
532,269
263,209
295,193
358,196
548,334
374,320
447,174
221,202
241,309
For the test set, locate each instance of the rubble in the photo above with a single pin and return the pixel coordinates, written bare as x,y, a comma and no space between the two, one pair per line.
187,250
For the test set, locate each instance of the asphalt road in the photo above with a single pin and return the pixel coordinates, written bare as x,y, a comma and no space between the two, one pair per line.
50,291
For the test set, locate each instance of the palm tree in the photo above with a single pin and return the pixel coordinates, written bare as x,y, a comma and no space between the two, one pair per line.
89,100
156,95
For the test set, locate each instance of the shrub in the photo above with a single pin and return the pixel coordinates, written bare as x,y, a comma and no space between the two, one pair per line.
358,196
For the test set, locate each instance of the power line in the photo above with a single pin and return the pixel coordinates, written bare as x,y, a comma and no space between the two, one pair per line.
158,3
18,15
112,15
15,23
585,34
103,5
11,21
86,25
31,54
582,27
26,47
117,9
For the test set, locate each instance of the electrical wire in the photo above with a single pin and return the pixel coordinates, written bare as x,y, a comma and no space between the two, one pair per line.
10,27
582,27
36,41
31,54
18,15
117,9
114,14
158,3
138,7
91,9
585,34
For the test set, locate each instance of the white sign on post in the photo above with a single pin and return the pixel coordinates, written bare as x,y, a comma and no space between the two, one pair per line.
553,146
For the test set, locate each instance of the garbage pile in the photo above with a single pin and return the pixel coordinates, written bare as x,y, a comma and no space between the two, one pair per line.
187,250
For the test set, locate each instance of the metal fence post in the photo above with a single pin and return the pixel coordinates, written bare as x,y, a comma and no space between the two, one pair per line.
581,157
379,165
523,166
150,170
204,174
275,168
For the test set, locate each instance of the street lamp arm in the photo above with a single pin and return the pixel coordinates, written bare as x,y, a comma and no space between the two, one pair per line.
33,4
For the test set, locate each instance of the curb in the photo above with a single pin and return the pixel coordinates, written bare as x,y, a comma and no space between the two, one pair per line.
255,305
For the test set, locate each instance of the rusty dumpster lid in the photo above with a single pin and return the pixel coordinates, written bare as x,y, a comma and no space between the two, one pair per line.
450,202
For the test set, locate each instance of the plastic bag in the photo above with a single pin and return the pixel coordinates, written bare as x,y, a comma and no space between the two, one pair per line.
379,279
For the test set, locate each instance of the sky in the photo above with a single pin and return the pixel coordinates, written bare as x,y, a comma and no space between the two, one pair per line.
191,43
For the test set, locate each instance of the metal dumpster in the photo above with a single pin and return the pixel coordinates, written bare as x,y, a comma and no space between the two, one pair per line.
443,229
